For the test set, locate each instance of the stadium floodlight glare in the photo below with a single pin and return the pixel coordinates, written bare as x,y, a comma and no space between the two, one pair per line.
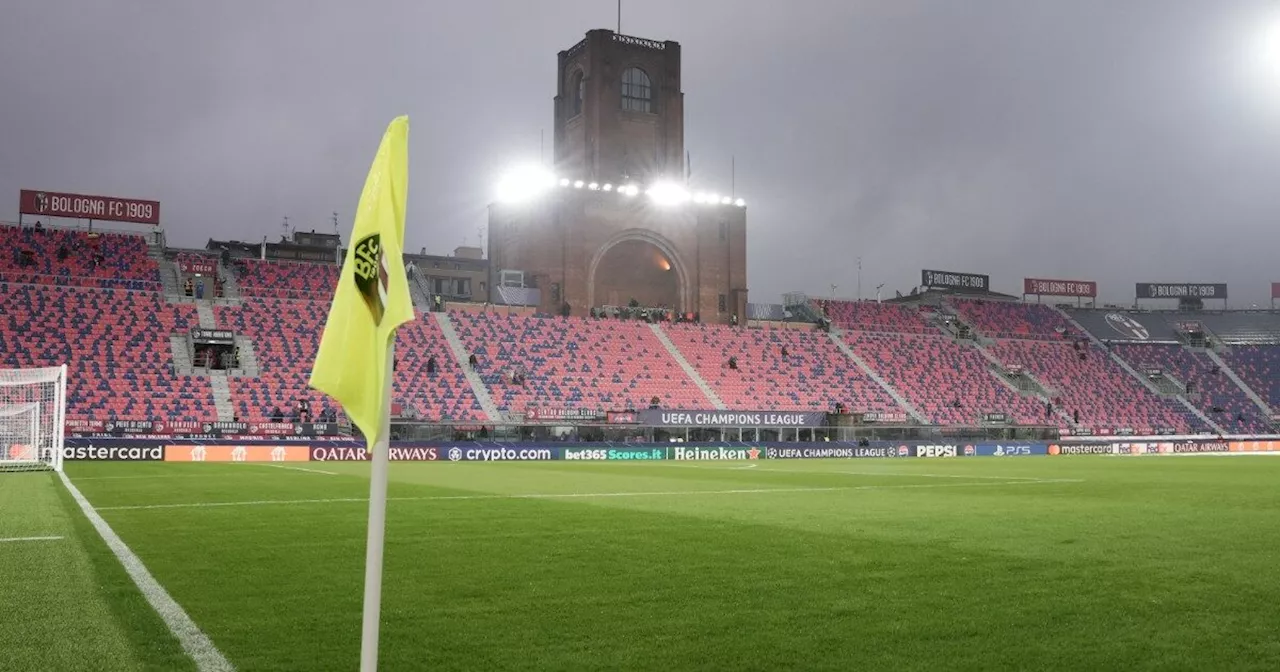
594,186
629,190
699,197
564,181
740,203
726,200
578,184
667,193
524,183
713,198
607,187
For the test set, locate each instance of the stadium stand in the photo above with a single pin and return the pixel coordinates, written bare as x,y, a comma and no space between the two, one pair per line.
814,376
1211,389
1006,319
286,279
1105,395
443,395
875,316
81,258
1243,328
949,382
603,365
1259,367
116,345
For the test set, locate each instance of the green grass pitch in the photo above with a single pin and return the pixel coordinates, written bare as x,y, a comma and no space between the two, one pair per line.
1092,563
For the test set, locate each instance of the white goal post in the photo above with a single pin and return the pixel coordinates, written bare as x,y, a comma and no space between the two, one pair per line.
33,405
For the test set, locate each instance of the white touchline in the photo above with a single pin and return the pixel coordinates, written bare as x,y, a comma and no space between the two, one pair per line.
193,640
585,495
10,539
281,466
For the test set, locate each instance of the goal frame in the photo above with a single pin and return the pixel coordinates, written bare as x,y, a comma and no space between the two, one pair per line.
47,452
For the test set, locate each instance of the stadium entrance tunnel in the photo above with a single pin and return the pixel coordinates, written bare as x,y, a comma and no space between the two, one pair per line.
638,265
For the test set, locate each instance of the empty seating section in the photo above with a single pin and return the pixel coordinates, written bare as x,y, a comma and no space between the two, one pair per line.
116,345
949,382
875,316
1259,367
287,279
1002,319
445,395
1107,397
574,363
814,376
285,337
65,257
1210,388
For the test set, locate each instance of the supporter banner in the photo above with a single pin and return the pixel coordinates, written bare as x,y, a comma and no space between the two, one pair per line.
80,206
562,414
1084,288
613,454
361,454
1009,449
883,416
91,452
1190,327
1275,290
247,453
621,418
1165,290
661,418
1155,373
213,336
717,453
200,266
996,418
824,452
952,280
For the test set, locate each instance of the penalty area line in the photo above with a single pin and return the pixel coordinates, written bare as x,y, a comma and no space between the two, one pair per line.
195,643
16,539
587,495
281,466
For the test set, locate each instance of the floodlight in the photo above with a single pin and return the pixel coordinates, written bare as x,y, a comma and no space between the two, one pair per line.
699,197
564,181
668,193
607,187
593,186
726,200
740,203
524,183
713,198
578,184
629,190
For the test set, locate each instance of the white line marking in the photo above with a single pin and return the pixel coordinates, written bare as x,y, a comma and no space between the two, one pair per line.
3,541
193,640
749,466
584,495
281,466
212,473
819,472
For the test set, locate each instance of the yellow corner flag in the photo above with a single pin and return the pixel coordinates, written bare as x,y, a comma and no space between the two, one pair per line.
372,299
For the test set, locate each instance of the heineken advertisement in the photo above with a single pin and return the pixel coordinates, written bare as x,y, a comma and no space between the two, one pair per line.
714,453
614,454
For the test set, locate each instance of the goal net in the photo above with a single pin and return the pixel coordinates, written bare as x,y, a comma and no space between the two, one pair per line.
32,415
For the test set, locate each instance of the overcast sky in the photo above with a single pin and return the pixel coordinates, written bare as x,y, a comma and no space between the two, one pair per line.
1117,141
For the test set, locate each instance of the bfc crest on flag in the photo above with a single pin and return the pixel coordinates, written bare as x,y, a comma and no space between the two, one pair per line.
371,275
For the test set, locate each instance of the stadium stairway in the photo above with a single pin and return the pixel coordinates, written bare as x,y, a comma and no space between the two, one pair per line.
169,279
204,312
871,373
181,346
419,294
222,396
1040,391
1186,403
249,367
230,286
688,368
473,378
1239,382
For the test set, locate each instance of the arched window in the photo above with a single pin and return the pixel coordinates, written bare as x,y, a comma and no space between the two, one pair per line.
637,93
579,92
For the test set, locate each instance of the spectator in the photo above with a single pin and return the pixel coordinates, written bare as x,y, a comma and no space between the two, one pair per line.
472,360
277,415
733,363
431,364
188,287
785,353
655,402
1075,416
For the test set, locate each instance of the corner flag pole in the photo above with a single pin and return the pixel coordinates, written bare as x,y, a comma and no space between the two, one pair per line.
379,450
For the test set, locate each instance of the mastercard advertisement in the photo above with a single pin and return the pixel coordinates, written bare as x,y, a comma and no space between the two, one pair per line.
252,453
